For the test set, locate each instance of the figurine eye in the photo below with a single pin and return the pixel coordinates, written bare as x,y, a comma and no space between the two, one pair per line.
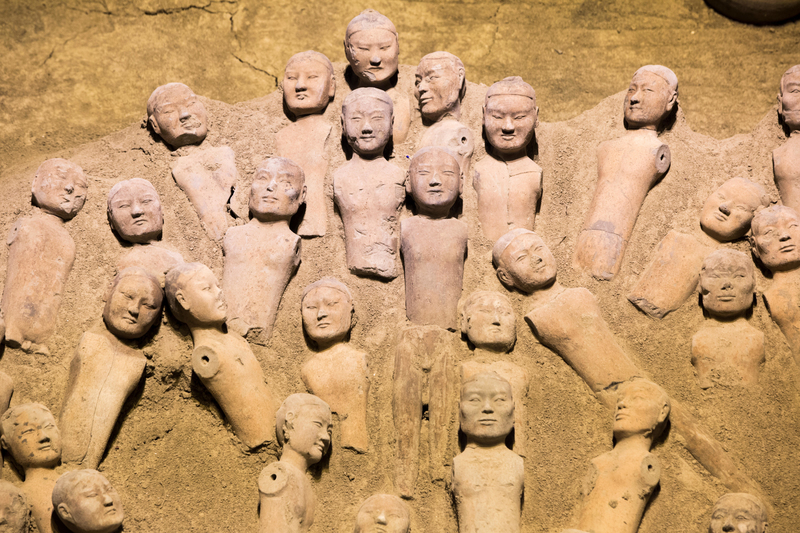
520,117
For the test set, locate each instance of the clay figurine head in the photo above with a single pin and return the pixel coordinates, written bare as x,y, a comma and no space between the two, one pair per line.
789,98
738,513
727,213
177,115
303,425
134,210
194,296
651,97
441,83
308,83
59,188
383,513
776,237
727,283
488,321
327,309
30,434
133,304
434,181
454,136
367,118
14,512
372,49
523,261
642,409
487,409
277,190
510,116
87,503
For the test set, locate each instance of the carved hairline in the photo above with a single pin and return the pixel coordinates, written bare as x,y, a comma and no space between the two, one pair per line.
136,271
396,500
312,55
762,509
481,376
442,149
465,303
773,210
331,283
265,165
369,19
790,71
55,164
68,481
368,92
510,86
504,241
152,102
176,280
662,72
124,183
729,255
16,410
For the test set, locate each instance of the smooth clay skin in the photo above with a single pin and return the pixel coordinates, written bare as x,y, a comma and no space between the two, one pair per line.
87,503
222,361
786,158
488,478
368,190
738,513
308,86
303,425
383,513
627,168
456,137
727,349
14,512
508,183
175,114
336,373
107,367
263,255
439,87
40,257
729,210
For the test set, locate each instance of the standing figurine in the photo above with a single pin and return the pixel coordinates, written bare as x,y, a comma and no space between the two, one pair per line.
86,502
439,87
786,158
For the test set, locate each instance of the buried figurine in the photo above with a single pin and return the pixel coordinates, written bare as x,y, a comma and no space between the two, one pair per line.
303,425
15,515
85,502
738,513
786,158
439,87
383,513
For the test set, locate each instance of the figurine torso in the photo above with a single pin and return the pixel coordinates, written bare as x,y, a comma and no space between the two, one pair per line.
786,167
287,500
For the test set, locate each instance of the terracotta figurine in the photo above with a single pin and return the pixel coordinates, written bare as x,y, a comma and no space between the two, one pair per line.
87,503
383,513
303,425
308,86
786,158
739,513
439,87
175,114
488,478
627,168
336,373
223,361
728,211
508,182
262,255
15,515
455,136
369,190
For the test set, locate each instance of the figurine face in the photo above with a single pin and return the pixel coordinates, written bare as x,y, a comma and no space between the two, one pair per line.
60,189
368,124
727,288
789,100
276,193
382,514
638,409
727,213
776,240
136,213
373,55
435,182
327,315
310,434
34,440
179,117
307,86
648,101
491,323
437,88
487,410
527,263
736,514
133,307
202,298
92,506
13,517
509,121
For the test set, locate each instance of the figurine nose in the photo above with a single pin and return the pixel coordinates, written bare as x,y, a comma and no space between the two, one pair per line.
375,61
727,284
69,188
367,127
107,500
136,209
43,437
508,125
300,85
133,308
381,519
271,184
783,235
435,179
725,209
487,406
728,525
636,97
185,113
422,87
322,312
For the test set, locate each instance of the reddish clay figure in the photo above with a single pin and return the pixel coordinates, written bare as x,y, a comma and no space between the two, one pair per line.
40,257
262,255
15,515
439,87
508,182
382,513
456,137
222,361
740,513
337,373
627,168
308,86
786,158
303,425
488,478
86,502
372,49
176,115
369,190
728,212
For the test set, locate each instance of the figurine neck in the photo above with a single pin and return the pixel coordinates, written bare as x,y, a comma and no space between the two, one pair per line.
433,213
487,444
205,333
510,157
384,85
49,216
359,158
488,351
542,296
326,346
634,443
650,130
268,221
35,474
289,455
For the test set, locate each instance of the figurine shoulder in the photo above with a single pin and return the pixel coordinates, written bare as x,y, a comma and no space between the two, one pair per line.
276,478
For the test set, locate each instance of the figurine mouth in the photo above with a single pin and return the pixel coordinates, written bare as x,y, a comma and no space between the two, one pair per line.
45,447
140,222
725,298
113,510
788,248
720,216
323,325
190,124
425,100
487,421
129,319
508,136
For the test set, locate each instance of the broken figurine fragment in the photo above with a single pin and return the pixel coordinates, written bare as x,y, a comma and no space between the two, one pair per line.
176,115
15,515
439,87
786,158
740,513
86,502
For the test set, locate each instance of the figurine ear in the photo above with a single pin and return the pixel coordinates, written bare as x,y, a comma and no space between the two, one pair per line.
664,413
503,276
461,183
303,195
780,103
347,51
462,82
536,122
181,299
673,99
332,90
154,125
64,514
753,247
408,182
3,442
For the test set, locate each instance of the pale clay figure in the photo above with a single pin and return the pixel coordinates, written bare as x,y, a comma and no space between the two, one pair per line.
508,183
627,168
41,255
727,349
382,513
176,115
439,87
308,86
619,484
368,190
262,255
433,244
303,425
107,366
454,136
223,361
489,323
488,478
336,373
786,158
30,435
738,513
15,514
729,210
87,503
372,49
